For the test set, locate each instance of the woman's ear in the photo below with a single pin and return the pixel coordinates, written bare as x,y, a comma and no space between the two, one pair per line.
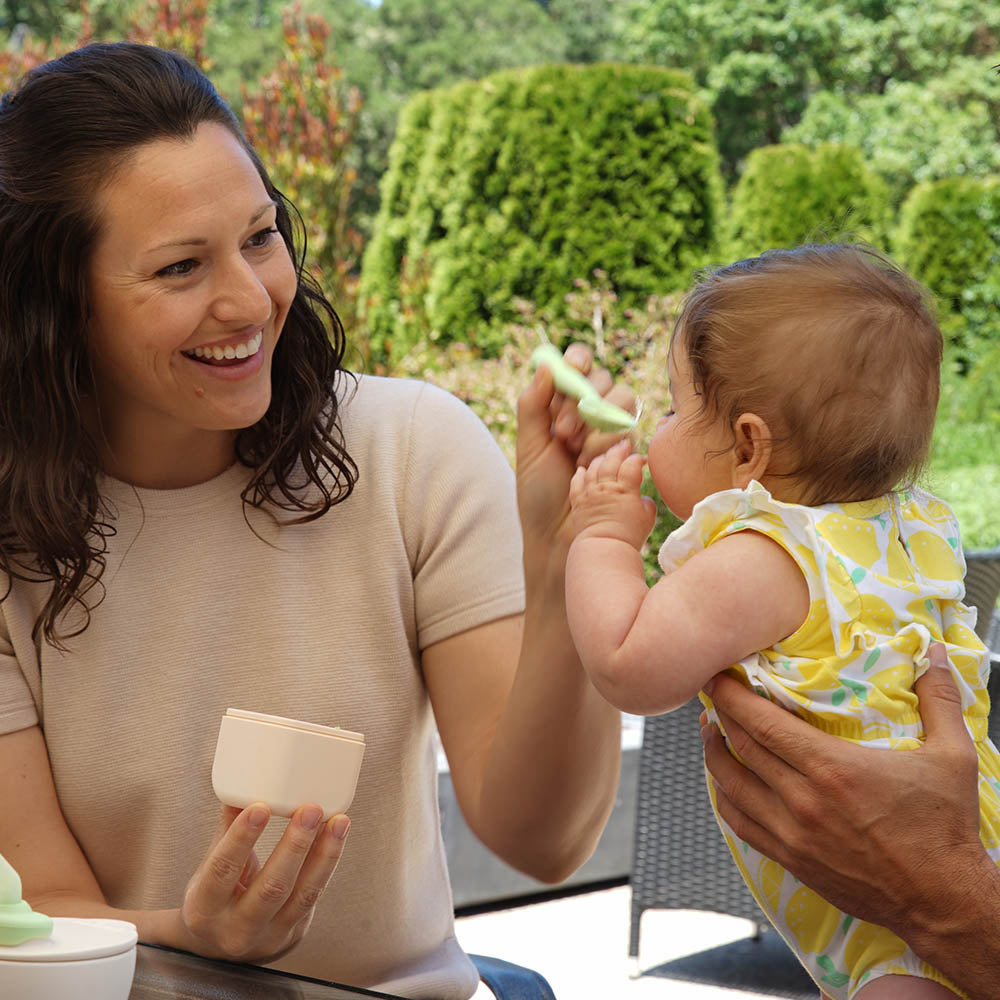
753,450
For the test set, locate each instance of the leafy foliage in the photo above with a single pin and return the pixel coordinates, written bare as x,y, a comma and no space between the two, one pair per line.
949,238
790,194
915,132
302,121
513,186
759,65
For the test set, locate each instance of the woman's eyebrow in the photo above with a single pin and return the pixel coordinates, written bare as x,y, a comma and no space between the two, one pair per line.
200,241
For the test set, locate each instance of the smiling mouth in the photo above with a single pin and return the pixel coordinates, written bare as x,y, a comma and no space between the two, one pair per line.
227,354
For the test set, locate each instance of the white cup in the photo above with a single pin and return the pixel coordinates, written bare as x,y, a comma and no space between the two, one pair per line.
83,959
285,763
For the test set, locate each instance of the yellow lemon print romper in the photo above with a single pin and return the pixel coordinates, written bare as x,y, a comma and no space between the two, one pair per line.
885,580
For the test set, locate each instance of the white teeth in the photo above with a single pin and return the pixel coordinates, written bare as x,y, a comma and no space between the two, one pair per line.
246,349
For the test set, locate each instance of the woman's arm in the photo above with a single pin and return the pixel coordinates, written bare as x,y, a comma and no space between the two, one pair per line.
890,837
233,908
534,750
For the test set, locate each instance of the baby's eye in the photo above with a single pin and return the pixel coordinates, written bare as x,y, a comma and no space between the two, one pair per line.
261,238
181,269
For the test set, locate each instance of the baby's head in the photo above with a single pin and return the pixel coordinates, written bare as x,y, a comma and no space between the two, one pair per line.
835,348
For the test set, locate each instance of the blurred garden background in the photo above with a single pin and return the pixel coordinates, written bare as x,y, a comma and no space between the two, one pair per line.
474,175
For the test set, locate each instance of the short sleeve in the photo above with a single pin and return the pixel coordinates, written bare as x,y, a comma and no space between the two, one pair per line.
460,521
17,706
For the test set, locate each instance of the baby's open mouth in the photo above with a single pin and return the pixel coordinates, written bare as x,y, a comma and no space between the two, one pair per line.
228,354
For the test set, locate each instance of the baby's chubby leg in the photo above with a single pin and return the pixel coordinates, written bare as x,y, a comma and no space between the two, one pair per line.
607,501
903,988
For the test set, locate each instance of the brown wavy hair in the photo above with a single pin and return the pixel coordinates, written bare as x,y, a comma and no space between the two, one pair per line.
65,129
836,348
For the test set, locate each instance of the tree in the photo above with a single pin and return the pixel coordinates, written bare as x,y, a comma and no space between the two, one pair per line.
911,133
400,47
761,64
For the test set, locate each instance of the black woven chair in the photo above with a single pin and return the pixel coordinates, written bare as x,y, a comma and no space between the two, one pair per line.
680,859
982,586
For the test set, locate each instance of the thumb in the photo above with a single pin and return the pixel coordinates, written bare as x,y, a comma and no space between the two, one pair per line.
940,700
534,420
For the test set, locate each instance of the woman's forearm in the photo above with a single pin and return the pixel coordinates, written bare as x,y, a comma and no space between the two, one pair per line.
552,772
154,926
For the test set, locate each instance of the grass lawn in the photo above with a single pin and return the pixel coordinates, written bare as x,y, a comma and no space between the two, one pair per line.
964,471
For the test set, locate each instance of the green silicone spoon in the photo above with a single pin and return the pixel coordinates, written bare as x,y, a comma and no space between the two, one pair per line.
591,405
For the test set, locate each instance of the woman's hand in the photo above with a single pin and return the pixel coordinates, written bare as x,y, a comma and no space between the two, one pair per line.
552,441
237,909
889,836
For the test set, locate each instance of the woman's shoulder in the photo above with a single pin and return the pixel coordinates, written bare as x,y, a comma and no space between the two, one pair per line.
363,395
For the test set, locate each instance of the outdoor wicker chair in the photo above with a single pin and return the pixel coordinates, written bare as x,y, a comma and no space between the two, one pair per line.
680,859
982,586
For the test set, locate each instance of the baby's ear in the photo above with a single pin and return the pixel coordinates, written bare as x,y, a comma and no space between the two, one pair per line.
753,449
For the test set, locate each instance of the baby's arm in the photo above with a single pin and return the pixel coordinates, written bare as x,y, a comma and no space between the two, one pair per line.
649,650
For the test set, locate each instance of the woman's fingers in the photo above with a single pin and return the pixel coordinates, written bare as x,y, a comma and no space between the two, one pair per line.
213,887
317,870
278,876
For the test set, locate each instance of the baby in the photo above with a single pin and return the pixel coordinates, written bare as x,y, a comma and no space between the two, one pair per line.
804,385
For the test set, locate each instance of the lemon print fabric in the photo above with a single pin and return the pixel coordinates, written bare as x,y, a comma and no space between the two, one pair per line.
885,581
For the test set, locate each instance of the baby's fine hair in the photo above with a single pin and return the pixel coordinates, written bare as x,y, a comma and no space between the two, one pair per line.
836,348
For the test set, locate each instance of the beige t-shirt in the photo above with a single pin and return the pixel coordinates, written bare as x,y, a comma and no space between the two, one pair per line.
322,622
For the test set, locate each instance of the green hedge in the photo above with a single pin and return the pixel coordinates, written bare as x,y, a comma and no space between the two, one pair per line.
790,194
514,186
949,238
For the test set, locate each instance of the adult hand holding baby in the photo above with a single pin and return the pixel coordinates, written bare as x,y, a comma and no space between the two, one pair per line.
890,837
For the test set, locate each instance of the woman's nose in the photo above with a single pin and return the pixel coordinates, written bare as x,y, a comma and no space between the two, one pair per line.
241,295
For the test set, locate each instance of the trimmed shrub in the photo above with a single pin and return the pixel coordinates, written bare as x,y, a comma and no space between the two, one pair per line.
790,194
949,238
512,186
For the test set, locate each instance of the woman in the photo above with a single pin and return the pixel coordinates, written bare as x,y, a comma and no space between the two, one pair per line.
201,509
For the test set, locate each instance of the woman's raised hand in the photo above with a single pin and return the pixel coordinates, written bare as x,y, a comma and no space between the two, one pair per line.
553,440
238,909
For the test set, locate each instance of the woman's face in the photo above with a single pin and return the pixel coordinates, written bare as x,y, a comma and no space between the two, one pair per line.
190,287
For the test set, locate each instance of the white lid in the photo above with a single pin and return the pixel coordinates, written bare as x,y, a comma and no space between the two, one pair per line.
74,939
310,727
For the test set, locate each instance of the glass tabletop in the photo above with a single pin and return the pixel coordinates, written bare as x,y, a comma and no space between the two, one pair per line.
166,974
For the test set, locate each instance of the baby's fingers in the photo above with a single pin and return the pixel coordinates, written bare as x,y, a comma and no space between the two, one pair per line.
630,472
609,465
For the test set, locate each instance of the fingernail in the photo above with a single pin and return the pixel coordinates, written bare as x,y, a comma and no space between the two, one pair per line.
311,817
340,827
707,688
257,818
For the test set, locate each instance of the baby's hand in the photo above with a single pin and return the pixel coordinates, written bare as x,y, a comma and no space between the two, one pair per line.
606,498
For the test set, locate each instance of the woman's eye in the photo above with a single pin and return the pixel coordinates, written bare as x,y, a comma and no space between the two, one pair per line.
179,270
262,238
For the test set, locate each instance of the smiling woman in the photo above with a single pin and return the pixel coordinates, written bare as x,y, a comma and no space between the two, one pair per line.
181,347
200,508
